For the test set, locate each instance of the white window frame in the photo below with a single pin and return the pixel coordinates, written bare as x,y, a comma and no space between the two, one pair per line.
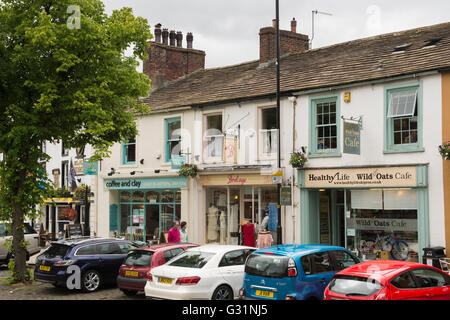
207,139
261,132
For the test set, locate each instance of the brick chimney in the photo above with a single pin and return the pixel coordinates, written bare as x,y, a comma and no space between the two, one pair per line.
170,61
290,41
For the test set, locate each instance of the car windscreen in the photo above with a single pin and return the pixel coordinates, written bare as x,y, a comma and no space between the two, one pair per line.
354,286
56,250
139,258
265,265
192,259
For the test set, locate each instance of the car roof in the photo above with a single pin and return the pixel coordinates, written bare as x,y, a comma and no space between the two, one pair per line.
86,240
164,246
294,250
380,269
220,248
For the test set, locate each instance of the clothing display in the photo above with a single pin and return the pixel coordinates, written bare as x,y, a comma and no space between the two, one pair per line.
265,240
248,233
223,228
213,232
264,223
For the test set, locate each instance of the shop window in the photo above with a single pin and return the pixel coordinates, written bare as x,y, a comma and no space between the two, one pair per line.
129,151
125,196
152,197
403,119
324,127
167,196
214,136
173,138
268,132
138,196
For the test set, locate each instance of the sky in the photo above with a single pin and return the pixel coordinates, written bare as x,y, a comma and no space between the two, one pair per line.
228,31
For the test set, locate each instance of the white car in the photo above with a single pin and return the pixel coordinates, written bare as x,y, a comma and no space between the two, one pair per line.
31,236
207,272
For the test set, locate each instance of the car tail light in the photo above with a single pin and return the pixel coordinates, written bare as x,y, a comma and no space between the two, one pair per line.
290,297
63,263
383,294
149,276
292,269
187,281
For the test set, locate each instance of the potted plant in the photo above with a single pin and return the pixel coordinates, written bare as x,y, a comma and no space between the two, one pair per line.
80,192
188,170
444,150
298,159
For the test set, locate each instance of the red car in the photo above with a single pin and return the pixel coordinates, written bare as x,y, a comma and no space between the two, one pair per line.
389,280
133,272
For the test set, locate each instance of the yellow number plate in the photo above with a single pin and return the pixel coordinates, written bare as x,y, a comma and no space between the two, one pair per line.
165,280
44,268
131,273
262,293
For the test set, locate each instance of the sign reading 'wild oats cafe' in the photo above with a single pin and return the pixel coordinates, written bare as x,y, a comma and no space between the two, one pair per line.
359,177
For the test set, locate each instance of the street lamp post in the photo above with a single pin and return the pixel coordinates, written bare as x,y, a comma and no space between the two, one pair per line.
279,234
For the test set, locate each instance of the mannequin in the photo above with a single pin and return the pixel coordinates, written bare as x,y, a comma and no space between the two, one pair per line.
212,224
234,223
223,228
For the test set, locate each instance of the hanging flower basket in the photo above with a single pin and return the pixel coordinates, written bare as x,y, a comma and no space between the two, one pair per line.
188,170
298,159
444,150
67,213
80,192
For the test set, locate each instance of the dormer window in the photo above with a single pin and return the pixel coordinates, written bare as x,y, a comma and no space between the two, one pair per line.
401,48
431,43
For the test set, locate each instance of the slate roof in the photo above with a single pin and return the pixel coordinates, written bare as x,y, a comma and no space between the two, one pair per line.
340,64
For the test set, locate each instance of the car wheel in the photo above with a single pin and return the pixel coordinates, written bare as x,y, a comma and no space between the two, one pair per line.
90,281
223,292
129,292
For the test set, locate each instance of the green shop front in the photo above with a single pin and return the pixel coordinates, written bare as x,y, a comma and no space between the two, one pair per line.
368,210
144,209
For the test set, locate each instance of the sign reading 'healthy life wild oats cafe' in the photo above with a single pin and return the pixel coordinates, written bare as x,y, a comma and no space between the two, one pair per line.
361,177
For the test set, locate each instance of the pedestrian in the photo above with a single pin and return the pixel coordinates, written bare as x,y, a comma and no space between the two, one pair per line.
183,232
174,233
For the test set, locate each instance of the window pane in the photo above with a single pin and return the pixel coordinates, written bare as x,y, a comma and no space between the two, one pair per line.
178,196
326,108
214,122
332,118
152,197
174,148
333,107
321,262
192,259
326,119
167,196
343,260
139,258
306,265
138,196
397,124
326,131
173,129
269,118
215,146
428,278
131,153
397,138
333,143
402,104
125,196
319,119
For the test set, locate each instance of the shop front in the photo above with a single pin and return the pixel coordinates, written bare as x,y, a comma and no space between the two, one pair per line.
376,212
144,209
235,202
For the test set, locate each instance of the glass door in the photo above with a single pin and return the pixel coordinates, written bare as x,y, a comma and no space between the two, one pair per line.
234,216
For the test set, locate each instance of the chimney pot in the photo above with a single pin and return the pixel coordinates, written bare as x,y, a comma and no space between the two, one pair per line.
189,40
158,32
172,37
165,36
179,39
274,23
294,25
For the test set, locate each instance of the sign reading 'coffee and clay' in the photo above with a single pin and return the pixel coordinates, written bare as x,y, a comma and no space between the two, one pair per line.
361,177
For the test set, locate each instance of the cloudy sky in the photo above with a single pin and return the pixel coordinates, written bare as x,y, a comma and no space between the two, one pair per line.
227,30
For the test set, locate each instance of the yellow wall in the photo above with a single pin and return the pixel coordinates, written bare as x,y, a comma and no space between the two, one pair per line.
446,163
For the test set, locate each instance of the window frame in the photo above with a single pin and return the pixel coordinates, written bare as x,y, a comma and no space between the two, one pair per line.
206,136
314,152
167,141
125,145
389,145
261,154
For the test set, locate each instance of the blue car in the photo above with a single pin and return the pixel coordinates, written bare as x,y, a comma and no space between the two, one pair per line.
293,272
98,260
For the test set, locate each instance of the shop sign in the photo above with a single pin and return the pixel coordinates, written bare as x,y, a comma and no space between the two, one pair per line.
78,166
285,196
177,161
235,180
382,224
352,138
361,177
90,168
155,183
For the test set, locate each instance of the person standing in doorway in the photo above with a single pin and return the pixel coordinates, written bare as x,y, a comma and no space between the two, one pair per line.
183,232
174,233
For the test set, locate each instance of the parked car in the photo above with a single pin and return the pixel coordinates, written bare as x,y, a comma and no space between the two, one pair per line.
31,236
389,280
138,263
99,261
206,272
293,272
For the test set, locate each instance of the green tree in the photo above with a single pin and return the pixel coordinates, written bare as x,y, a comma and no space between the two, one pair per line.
64,75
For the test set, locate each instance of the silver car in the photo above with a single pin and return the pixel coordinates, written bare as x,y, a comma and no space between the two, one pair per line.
31,236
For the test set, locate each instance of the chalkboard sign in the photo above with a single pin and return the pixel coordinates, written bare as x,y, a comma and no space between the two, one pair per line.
74,230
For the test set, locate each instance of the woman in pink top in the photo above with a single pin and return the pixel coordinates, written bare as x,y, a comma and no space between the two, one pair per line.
174,233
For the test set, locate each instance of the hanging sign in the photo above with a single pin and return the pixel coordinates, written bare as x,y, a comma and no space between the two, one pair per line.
286,196
352,137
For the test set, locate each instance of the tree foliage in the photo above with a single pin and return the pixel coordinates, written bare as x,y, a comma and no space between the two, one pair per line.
62,81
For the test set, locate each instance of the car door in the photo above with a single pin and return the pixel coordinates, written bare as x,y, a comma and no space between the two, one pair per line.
32,237
322,270
432,284
404,287
110,258
232,266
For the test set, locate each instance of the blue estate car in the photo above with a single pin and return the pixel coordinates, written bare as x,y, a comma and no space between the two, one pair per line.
293,272
99,261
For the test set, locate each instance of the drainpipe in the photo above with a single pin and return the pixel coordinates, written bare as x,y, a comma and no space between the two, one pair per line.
293,100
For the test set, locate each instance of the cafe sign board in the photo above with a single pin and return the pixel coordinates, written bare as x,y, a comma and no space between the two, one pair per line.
352,138
361,177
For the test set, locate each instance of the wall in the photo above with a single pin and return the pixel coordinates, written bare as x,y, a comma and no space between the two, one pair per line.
446,163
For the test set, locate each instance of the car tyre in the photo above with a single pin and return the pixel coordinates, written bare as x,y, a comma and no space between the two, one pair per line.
90,281
223,292
129,292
